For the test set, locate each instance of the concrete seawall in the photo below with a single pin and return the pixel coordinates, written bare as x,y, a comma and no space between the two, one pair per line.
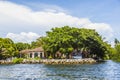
5,62
68,61
53,61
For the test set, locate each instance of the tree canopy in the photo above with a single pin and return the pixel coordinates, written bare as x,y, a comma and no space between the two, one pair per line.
7,48
115,55
10,49
66,39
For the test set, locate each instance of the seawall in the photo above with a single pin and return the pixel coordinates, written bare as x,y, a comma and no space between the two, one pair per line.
68,61
53,61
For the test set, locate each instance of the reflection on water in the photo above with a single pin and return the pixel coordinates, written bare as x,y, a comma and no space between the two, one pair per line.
108,70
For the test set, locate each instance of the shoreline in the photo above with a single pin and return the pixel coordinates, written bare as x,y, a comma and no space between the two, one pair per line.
53,61
69,61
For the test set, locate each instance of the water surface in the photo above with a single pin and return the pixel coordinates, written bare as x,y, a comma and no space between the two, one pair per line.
108,70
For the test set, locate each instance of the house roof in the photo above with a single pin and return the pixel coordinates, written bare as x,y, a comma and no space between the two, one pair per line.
25,51
39,49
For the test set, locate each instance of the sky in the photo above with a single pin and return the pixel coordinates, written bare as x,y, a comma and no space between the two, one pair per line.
26,20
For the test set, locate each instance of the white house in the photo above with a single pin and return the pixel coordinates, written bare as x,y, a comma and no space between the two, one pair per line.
33,53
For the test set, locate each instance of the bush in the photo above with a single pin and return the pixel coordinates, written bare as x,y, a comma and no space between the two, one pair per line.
37,58
17,60
50,57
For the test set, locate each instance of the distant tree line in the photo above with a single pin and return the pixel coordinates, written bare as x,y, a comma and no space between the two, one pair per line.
115,55
65,40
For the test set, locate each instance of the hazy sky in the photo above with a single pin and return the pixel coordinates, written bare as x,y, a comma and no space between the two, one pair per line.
26,20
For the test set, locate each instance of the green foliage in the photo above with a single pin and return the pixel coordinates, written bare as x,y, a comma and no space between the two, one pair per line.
66,39
7,48
37,43
116,51
37,58
50,57
10,49
116,41
22,46
17,60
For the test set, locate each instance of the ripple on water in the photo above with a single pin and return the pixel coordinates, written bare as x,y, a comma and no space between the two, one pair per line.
108,70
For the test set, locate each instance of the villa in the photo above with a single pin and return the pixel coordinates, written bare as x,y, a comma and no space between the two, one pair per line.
39,53
33,53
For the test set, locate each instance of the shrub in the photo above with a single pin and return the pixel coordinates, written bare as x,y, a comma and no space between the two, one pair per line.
50,57
37,58
17,60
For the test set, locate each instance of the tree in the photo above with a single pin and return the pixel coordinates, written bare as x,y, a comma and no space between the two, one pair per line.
66,39
22,46
37,43
7,48
116,41
116,51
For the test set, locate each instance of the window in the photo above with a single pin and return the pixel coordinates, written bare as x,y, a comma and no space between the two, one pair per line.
41,55
36,54
30,55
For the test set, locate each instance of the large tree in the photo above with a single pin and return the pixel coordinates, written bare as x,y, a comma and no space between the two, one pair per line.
37,43
7,48
66,39
22,46
10,49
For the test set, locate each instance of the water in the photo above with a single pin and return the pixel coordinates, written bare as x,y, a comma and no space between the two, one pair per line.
108,70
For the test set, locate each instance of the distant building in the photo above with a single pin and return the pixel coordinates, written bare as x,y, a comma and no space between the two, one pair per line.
33,53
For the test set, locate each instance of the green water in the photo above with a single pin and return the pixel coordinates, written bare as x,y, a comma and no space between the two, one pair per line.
108,70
